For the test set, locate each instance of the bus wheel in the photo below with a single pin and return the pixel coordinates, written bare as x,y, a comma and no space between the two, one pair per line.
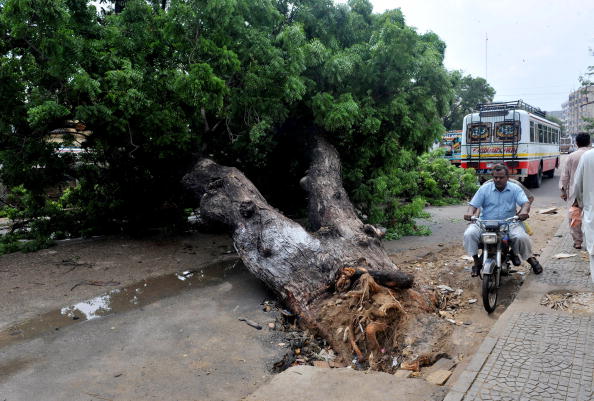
550,173
536,179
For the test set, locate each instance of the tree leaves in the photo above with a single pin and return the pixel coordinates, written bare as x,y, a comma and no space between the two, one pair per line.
245,81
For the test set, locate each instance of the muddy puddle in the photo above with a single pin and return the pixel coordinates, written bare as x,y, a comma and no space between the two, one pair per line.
120,300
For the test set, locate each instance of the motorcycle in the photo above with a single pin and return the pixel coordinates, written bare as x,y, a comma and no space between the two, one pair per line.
496,257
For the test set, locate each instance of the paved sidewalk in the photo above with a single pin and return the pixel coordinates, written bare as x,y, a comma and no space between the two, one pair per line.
534,353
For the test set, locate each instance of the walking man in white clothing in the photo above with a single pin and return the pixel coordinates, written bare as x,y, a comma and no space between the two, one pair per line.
582,141
584,196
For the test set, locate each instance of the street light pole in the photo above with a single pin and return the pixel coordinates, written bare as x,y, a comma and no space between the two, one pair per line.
486,59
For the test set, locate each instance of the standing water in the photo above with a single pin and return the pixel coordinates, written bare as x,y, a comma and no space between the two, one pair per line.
120,300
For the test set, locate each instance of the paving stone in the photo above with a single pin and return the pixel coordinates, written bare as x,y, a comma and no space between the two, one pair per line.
439,377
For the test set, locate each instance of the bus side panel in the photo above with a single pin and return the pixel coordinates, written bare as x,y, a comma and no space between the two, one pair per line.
533,166
549,164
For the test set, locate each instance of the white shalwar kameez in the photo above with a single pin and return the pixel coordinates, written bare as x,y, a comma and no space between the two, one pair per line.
584,194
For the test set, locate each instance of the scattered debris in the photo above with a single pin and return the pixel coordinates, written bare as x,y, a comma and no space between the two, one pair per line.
570,301
441,364
250,323
326,355
472,301
445,288
557,301
550,210
564,255
414,365
287,313
321,364
466,257
267,306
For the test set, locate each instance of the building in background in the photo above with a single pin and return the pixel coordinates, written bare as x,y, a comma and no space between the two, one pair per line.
579,106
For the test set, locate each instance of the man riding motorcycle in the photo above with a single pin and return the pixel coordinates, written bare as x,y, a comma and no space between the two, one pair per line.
497,200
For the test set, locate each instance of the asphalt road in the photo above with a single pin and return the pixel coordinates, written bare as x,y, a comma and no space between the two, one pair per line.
447,224
189,346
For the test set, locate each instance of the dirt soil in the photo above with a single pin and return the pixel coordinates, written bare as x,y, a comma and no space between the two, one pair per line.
446,264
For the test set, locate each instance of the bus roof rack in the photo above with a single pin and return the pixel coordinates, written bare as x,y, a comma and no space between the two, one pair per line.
515,105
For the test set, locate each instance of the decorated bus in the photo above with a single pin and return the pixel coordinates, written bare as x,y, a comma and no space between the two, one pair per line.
515,134
450,142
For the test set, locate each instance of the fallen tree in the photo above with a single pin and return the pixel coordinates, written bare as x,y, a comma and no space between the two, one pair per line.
337,277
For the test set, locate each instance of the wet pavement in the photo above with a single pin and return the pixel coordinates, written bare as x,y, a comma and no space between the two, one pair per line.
120,300
535,352
178,336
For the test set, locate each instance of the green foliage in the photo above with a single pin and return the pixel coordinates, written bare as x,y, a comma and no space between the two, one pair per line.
244,81
468,92
30,216
442,183
398,198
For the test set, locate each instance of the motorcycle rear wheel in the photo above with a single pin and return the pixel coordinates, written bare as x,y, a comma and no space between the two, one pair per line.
489,292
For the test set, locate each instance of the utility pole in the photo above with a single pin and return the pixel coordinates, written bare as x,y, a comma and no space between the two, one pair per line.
486,52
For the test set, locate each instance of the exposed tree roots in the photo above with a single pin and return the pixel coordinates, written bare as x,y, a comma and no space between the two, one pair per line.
374,324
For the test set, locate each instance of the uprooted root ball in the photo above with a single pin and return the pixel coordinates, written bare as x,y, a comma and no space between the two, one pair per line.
382,327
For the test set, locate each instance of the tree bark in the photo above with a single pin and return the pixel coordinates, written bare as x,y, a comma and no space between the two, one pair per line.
299,266
340,256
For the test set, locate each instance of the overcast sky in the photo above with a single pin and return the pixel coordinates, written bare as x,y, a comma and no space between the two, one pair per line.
536,50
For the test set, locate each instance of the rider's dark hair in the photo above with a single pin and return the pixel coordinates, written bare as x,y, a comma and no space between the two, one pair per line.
582,139
501,167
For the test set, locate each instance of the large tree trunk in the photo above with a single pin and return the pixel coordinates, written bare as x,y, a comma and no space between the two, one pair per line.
309,269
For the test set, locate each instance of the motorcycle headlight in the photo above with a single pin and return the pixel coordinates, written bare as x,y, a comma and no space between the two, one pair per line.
489,238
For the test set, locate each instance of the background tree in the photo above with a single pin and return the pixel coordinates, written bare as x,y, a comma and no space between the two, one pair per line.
245,82
468,92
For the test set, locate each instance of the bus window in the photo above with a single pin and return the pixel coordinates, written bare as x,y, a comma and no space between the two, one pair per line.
531,131
548,134
540,133
479,132
507,131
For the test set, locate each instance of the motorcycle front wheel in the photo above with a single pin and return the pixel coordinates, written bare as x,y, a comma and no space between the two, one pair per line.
489,292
